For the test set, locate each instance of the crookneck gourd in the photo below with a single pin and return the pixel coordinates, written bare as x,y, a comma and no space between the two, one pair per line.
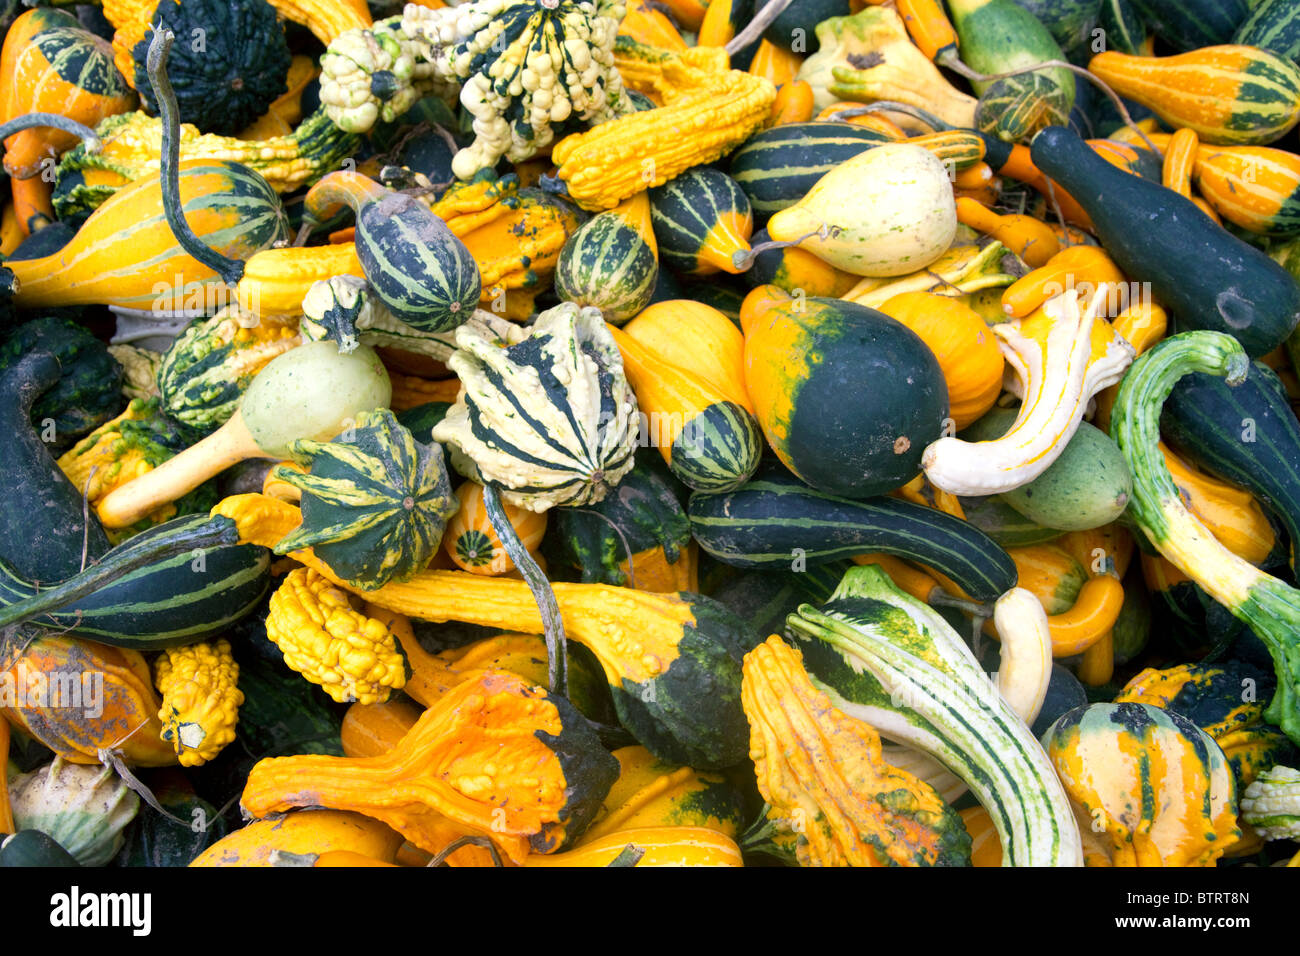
672,661
500,757
1148,787
887,658
1062,355
1267,605
825,780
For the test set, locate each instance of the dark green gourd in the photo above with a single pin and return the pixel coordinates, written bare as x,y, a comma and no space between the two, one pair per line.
42,531
1209,278
1246,434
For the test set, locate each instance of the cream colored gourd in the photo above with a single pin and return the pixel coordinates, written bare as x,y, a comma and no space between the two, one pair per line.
1062,356
888,211
1023,675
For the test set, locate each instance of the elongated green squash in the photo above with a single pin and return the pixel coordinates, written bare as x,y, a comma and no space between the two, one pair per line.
1268,606
165,602
890,660
775,522
1209,278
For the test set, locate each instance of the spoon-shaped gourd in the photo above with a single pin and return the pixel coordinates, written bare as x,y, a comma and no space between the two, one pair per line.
311,391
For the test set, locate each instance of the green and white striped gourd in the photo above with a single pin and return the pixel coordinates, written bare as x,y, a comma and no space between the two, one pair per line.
551,420
607,265
889,659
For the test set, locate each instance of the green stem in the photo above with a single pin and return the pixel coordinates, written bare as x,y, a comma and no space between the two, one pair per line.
557,656
52,121
214,533
230,270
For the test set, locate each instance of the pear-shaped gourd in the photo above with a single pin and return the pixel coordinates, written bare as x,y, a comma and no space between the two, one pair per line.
885,212
313,391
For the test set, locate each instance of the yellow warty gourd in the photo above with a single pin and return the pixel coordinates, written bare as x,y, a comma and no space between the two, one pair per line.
353,657
200,701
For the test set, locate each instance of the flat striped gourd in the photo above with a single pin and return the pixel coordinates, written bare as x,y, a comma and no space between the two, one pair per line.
471,542
184,588
607,265
205,372
701,221
126,255
550,419
421,271
374,502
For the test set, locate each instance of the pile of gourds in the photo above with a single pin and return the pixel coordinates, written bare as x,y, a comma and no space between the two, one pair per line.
629,433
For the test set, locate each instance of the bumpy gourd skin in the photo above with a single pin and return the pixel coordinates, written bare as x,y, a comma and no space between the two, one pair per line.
353,657
200,705
503,56
1272,804
824,776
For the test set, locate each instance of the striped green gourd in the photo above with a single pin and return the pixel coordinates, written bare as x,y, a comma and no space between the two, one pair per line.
374,503
1268,606
777,167
1121,26
1208,421
609,266
205,372
551,419
774,520
701,219
179,582
891,660
1192,24
997,36
708,441
1273,25
417,267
